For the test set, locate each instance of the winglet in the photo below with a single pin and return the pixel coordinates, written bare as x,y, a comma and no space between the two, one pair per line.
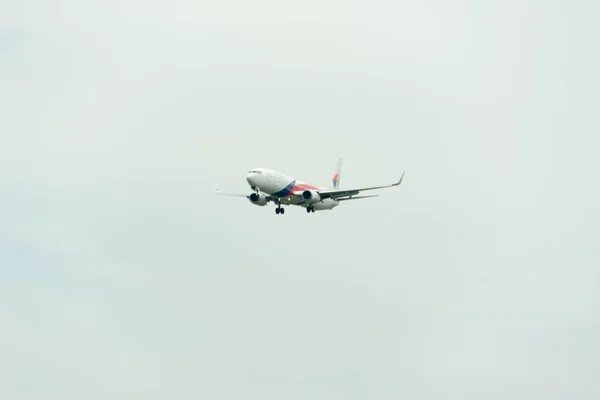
400,181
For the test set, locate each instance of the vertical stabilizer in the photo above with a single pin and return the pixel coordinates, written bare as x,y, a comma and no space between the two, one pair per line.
337,175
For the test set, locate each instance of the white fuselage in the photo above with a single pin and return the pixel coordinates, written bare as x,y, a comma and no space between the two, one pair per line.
283,187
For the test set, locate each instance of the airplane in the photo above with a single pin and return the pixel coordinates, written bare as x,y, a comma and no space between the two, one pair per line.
272,186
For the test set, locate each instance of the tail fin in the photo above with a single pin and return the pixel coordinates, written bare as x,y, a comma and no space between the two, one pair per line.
337,175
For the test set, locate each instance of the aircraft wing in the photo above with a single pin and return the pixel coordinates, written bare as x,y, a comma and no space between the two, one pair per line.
347,194
219,193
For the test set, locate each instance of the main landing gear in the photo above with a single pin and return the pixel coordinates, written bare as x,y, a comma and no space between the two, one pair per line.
310,209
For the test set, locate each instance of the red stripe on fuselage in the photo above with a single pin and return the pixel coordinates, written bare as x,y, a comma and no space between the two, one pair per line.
303,186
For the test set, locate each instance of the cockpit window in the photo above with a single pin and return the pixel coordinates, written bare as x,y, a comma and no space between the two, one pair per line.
254,171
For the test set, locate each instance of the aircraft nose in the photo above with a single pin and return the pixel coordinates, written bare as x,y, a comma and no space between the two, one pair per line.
250,178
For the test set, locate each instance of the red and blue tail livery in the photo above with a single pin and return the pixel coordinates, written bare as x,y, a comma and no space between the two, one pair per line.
338,173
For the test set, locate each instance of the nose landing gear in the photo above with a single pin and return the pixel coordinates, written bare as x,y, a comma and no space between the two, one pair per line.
279,209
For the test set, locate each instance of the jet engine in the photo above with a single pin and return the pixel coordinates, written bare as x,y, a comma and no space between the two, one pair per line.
258,199
311,196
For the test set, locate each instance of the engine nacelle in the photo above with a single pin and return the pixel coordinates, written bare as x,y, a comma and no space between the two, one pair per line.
258,199
311,196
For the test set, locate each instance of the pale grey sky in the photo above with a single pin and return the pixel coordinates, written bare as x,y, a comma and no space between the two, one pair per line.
122,276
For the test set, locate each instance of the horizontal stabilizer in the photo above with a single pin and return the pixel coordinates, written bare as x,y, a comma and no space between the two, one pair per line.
358,197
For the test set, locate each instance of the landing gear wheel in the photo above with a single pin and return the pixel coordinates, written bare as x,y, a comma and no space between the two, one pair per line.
282,211
277,210
308,210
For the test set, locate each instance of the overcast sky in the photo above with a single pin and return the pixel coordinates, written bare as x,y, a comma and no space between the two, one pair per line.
123,277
